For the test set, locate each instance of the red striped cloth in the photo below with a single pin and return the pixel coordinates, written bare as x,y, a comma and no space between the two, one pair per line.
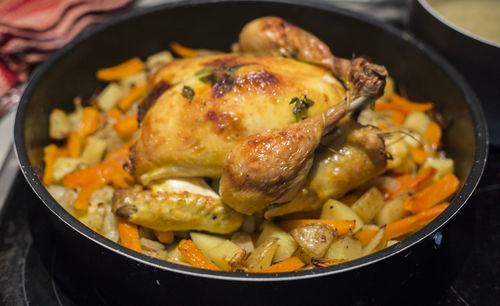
30,30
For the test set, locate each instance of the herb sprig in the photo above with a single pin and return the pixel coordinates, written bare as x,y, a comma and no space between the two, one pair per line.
188,93
301,104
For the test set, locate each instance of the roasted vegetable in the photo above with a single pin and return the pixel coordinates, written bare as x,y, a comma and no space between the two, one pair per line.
314,239
262,257
369,204
335,210
286,243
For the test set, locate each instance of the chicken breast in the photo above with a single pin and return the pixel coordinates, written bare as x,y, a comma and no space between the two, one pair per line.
199,108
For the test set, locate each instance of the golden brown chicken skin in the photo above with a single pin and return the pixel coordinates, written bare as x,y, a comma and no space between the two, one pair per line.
210,103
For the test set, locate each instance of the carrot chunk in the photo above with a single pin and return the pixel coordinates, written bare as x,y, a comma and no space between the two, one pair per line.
129,235
90,121
413,223
365,236
418,154
402,105
288,265
414,184
121,71
433,133
83,198
73,145
194,255
135,93
127,126
432,194
341,226
165,236
51,154
181,50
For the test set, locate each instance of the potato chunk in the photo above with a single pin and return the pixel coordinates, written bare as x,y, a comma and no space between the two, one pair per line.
345,247
314,239
262,256
286,243
369,204
335,210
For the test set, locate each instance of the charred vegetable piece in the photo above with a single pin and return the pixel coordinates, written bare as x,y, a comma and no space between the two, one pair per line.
286,243
314,239
262,257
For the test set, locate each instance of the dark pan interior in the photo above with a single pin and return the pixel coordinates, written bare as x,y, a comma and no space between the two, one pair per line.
422,74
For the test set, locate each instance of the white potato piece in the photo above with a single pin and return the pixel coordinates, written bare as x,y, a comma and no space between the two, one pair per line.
102,195
151,245
369,204
262,256
95,216
401,159
417,121
286,244
162,57
443,166
64,166
109,96
109,226
64,196
243,240
59,124
224,253
335,210
133,80
391,243
176,256
392,211
94,151
345,247
314,239
205,242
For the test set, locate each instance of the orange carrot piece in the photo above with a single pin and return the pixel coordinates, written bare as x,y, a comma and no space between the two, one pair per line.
121,154
418,154
433,133
432,194
91,119
135,93
411,106
50,154
383,127
74,145
402,105
341,226
365,236
114,113
129,235
127,126
288,265
105,172
413,223
181,50
423,177
194,255
165,236
82,201
398,117
118,72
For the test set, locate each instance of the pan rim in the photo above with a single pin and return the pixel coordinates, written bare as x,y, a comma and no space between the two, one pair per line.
469,185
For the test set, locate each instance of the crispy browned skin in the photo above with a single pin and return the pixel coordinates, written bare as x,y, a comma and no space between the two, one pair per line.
237,96
354,155
175,211
272,166
275,36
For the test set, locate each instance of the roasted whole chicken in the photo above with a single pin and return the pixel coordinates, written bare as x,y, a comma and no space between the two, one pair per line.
271,121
